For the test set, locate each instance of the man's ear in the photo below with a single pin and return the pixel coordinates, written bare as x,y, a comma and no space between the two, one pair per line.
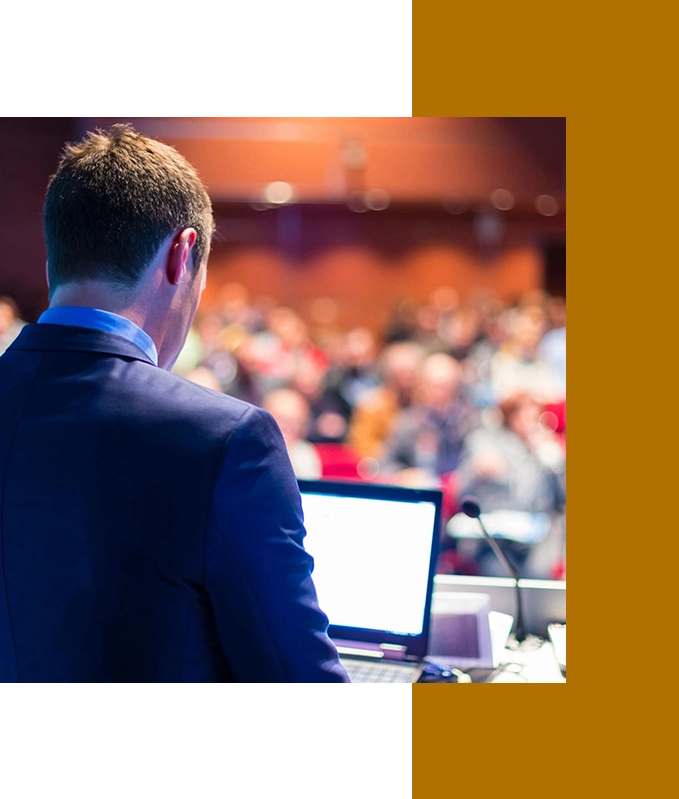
179,257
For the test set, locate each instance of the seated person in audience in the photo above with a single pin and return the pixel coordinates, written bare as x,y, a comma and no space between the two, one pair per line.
356,373
235,309
465,341
374,415
428,436
280,350
215,355
462,334
10,322
289,408
517,365
330,413
552,348
518,466
247,383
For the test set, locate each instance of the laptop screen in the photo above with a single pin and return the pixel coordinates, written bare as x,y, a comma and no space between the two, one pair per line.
374,550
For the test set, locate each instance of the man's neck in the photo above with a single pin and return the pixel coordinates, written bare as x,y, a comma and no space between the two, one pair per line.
93,294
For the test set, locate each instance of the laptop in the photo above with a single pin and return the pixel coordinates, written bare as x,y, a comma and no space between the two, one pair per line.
375,549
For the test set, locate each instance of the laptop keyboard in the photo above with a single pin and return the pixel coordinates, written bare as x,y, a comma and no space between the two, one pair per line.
359,671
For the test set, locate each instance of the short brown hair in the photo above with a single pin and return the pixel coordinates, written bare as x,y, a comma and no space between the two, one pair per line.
512,404
116,196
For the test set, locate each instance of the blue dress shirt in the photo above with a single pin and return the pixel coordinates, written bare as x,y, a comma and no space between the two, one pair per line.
93,318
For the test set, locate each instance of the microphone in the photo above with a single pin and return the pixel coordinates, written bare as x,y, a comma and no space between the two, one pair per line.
470,506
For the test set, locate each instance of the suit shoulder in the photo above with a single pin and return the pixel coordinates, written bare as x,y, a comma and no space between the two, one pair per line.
165,395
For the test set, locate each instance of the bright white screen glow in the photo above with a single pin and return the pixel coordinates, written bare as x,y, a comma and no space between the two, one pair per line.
371,560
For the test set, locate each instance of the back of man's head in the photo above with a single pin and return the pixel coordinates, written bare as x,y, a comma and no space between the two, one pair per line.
115,198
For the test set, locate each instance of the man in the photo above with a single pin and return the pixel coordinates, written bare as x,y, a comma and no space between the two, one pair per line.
292,414
150,529
428,436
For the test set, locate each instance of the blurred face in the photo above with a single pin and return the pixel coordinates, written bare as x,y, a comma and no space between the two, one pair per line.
289,327
359,347
209,330
528,331
557,312
402,370
439,381
464,329
525,418
308,378
6,317
290,412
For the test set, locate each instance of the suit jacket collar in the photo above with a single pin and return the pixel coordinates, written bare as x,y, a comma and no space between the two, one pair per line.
62,338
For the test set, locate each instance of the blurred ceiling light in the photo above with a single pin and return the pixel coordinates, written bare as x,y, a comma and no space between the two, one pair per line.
356,201
278,192
377,199
547,205
502,199
354,154
454,204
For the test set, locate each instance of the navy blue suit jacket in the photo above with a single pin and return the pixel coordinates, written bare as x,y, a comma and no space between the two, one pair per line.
150,529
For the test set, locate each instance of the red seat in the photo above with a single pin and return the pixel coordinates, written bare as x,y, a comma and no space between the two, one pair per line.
559,410
338,460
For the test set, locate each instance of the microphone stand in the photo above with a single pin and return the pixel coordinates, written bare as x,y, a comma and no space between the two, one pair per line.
470,506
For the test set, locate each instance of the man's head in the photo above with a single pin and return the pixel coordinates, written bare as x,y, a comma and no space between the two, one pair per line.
291,410
120,207
521,413
9,313
113,201
439,380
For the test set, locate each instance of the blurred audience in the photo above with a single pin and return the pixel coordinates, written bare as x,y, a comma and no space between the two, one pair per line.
202,376
519,464
215,354
356,373
516,469
429,435
10,322
330,411
375,413
235,309
466,394
291,411
280,349
552,348
517,364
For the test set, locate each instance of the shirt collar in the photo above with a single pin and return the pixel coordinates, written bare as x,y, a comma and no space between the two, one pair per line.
96,319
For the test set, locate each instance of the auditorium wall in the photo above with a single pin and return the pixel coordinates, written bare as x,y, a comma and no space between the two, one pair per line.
316,246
